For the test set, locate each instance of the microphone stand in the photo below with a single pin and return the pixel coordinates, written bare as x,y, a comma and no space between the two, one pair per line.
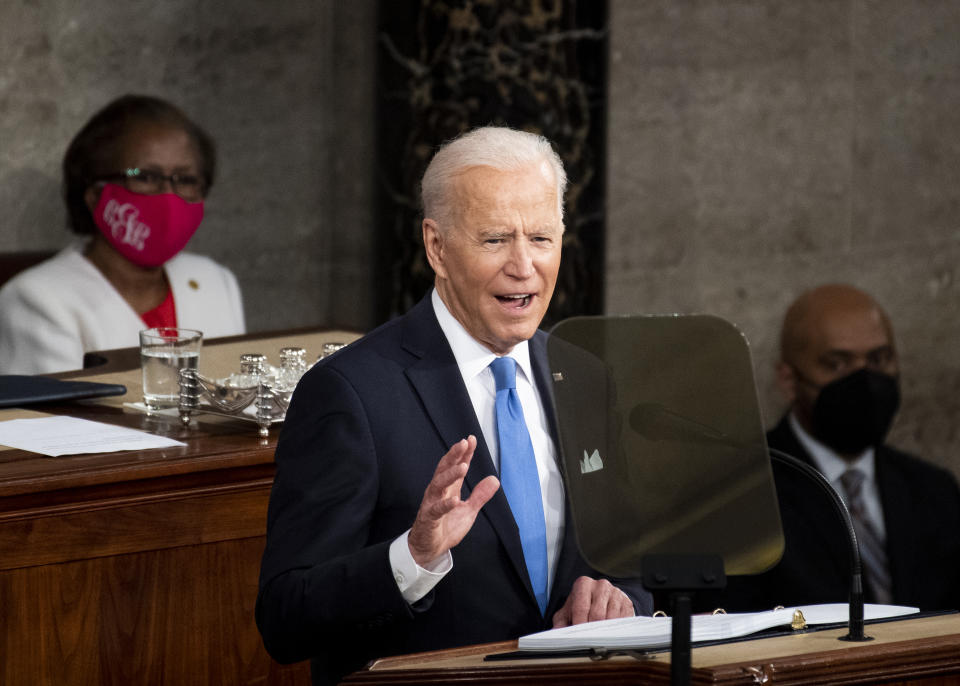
855,623
682,575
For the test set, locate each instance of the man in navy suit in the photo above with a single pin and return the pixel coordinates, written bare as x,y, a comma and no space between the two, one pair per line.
840,373
388,531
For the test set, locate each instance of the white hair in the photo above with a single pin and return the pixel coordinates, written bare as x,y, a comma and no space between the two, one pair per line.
498,147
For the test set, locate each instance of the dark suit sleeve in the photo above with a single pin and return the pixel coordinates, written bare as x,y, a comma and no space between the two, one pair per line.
921,505
641,598
323,579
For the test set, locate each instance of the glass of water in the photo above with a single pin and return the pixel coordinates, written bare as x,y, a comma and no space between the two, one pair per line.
164,351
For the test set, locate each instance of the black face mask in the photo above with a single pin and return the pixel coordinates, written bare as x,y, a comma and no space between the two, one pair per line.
855,411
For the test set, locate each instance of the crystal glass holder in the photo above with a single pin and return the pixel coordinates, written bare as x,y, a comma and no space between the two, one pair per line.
260,393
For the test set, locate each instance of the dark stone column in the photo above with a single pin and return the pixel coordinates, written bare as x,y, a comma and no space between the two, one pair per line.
446,66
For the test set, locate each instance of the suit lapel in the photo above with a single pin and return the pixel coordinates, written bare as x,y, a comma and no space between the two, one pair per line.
785,440
824,521
569,558
543,379
437,380
898,516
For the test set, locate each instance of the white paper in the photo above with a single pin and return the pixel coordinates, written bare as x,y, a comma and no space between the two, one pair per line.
56,436
654,632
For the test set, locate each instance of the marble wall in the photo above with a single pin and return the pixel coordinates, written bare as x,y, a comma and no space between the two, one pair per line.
760,147
448,66
754,148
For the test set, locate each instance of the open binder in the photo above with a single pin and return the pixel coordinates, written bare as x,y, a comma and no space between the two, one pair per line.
639,633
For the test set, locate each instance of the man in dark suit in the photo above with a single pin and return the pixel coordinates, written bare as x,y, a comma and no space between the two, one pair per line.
388,529
840,373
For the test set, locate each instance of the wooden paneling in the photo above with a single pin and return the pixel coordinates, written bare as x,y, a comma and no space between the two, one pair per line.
176,616
204,516
137,567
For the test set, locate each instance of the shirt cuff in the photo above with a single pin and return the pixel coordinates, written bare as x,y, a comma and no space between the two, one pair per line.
413,580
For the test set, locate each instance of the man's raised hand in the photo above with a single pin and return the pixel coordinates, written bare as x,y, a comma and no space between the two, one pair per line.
444,518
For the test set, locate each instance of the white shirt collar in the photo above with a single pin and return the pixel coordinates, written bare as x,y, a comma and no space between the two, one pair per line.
830,464
471,355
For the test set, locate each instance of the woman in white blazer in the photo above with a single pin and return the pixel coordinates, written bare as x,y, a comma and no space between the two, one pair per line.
135,178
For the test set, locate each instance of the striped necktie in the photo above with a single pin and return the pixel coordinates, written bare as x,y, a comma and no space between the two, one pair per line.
519,477
873,552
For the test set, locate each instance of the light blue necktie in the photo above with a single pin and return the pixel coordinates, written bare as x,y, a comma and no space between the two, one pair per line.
518,476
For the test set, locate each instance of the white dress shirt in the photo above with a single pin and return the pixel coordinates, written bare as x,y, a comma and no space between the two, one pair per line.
474,360
832,466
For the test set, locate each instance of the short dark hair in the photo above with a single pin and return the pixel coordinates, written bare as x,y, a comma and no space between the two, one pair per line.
93,150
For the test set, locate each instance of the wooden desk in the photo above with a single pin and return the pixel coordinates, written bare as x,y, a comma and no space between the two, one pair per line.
139,567
913,651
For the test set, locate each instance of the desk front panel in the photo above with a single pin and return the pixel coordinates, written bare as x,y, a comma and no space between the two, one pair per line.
137,567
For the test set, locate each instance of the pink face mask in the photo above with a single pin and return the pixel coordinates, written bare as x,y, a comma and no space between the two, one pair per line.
146,229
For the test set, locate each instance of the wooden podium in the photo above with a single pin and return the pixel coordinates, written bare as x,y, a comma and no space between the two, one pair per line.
140,567
910,651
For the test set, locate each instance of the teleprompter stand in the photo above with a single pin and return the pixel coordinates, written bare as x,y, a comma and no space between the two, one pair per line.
682,576
659,425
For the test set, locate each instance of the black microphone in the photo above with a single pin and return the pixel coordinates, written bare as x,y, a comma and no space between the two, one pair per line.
655,422
855,623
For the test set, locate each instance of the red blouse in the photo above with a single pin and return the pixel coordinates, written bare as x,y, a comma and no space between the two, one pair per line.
164,314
